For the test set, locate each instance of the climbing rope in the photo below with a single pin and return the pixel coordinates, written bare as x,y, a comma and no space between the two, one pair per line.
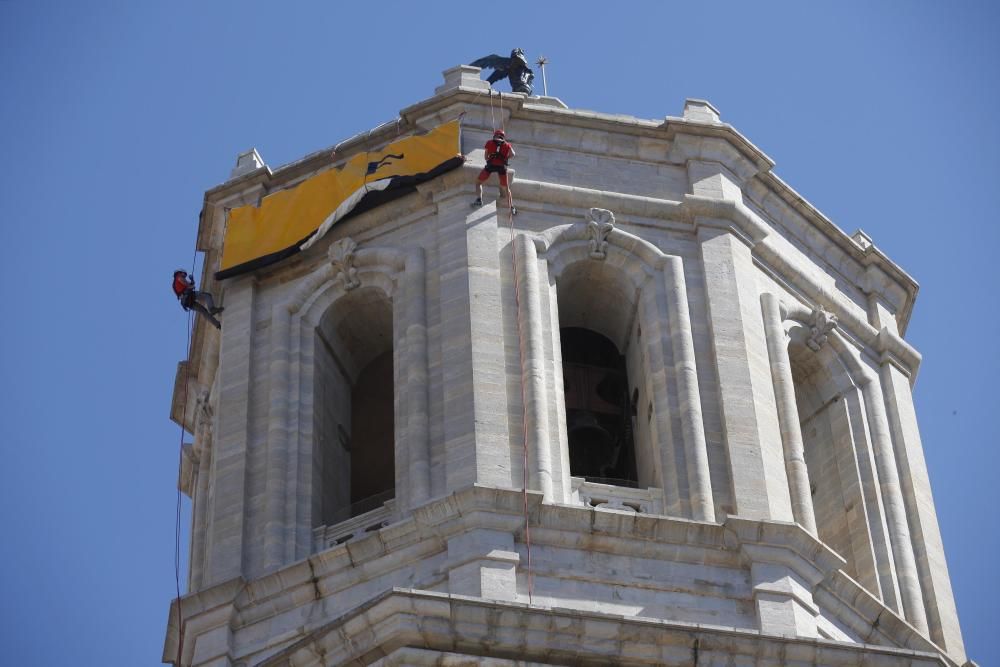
180,463
493,118
524,402
502,123
520,349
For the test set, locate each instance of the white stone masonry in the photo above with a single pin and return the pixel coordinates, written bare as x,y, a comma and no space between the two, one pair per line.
765,500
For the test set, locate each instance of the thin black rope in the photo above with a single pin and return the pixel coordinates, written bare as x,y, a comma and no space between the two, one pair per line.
180,463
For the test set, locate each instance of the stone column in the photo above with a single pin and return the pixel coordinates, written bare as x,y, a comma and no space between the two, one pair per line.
562,485
417,380
746,393
895,509
932,568
477,443
878,527
532,355
226,516
652,321
788,415
689,397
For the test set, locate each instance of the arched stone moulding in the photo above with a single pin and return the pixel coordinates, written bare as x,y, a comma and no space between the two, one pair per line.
899,581
400,276
657,281
751,227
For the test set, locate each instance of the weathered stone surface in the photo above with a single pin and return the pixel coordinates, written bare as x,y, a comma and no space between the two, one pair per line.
782,513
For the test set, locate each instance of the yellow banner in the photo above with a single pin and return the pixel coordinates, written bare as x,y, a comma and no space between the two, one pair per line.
260,235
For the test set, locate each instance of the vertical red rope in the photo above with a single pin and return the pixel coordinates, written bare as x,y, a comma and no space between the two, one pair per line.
524,405
520,350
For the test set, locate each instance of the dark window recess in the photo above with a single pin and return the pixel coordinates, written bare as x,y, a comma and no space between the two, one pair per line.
598,409
373,472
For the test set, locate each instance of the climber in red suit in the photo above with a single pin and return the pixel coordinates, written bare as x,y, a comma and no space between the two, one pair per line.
498,152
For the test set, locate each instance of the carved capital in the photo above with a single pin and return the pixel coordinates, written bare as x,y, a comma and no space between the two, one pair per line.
821,324
599,224
341,255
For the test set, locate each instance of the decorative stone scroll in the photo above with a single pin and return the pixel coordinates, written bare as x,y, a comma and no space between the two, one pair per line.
341,256
599,225
821,324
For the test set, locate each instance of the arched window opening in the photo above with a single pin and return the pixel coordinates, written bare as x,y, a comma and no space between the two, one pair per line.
599,409
354,413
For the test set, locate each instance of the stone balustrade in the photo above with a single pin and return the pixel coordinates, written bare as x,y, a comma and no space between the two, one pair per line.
355,527
609,496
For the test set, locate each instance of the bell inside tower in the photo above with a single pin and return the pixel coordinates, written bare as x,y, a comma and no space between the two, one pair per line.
599,409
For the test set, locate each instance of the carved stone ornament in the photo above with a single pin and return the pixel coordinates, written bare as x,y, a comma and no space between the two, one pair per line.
600,224
341,255
204,405
822,323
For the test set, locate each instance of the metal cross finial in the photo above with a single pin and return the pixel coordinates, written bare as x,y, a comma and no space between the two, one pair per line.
542,62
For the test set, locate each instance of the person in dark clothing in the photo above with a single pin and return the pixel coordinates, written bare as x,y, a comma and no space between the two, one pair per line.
192,299
498,152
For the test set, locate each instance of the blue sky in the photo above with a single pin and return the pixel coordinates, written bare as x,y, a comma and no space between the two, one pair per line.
117,117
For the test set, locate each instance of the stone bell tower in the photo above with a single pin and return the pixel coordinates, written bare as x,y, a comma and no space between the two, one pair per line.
702,380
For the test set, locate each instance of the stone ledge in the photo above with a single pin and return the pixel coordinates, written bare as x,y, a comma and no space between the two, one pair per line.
509,630
416,550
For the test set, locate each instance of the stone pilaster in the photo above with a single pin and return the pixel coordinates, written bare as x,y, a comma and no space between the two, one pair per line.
473,364
225,538
746,394
932,567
